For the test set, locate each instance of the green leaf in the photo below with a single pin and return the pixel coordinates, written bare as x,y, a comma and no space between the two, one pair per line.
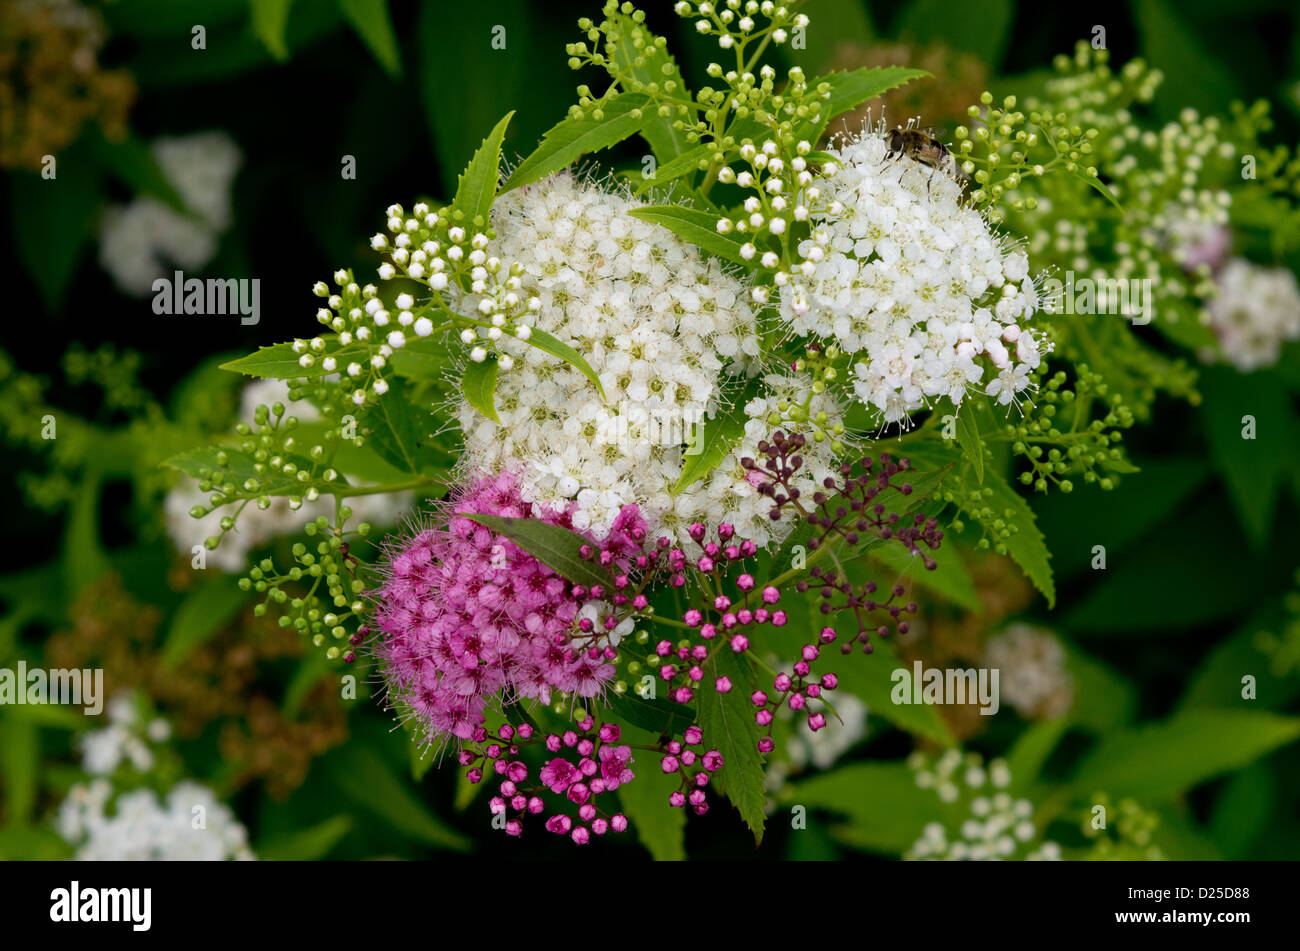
1243,810
32,842
852,27
424,358
949,579
968,437
656,716
1146,500
728,724
399,432
1026,546
660,827
665,139
1183,582
362,775
279,362
1159,761
887,811
572,138
553,545
871,678
132,162
84,559
478,183
53,220
1104,700
1254,470
270,19
981,29
306,845
1026,758
203,613
1171,45
683,164
558,348
371,21
697,227
479,385
720,435
19,766
851,89
242,467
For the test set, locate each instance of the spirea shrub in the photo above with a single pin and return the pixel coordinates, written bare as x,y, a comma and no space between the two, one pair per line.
682,442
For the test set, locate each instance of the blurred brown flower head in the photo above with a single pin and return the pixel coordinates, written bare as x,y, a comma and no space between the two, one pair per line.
51,82
226,684
941,101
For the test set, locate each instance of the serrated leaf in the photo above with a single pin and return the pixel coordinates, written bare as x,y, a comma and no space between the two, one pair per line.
370,20
657,716
558,348
399,432
478,183
572,138
713,440
279,362
1161,760
972,444
697,227
851,89
202,614
1026,547
683,164
664,137
728,724
660,827
553,545
479,384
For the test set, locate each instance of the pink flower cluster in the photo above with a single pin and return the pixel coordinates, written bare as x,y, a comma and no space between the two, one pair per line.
601,766
466,615
796,689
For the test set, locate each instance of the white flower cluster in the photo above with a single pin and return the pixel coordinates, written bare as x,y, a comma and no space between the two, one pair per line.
823,748
1034,677
255,526
899,271
999,826
140,241
658,323
192,824
1255,311
125,739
